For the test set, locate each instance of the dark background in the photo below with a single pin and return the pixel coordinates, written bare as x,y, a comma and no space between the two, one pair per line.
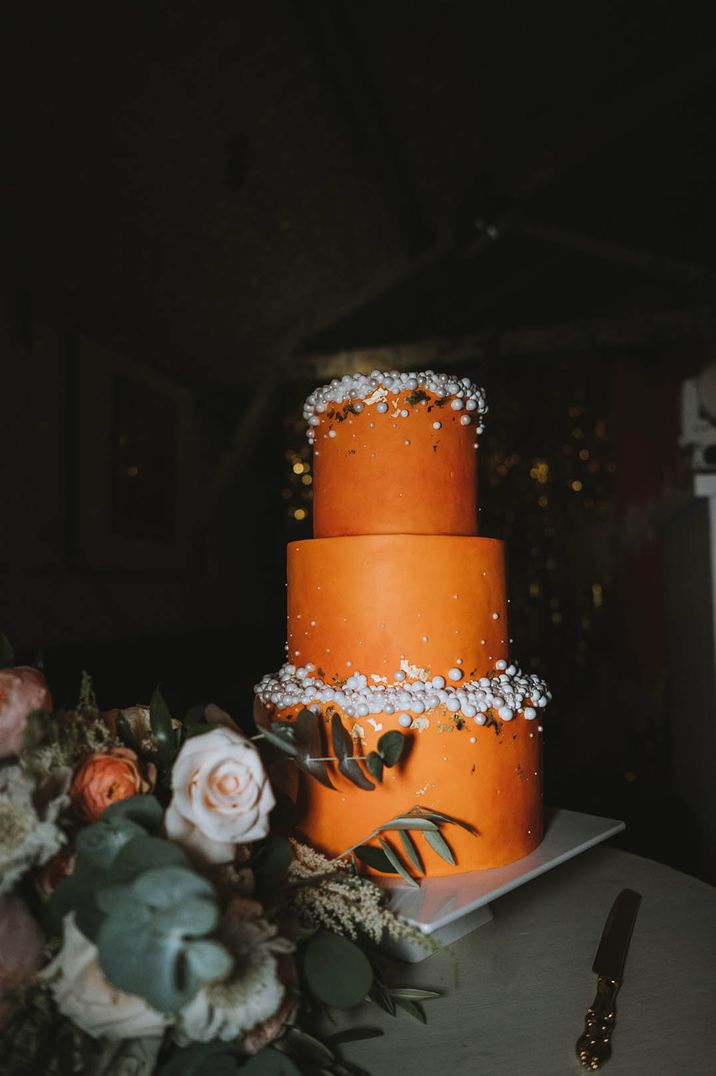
208,209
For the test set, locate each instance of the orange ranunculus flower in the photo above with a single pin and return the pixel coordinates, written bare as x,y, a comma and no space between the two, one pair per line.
108,776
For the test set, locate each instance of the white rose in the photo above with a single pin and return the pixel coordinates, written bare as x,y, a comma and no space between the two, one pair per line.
83,994
222,795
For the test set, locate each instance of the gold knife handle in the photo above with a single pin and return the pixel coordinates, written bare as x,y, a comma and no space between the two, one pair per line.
594,1047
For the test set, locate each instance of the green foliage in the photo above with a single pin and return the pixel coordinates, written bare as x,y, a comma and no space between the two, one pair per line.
343,748
160,721
309,747
374,766
418,819
390,747
269,863
144,906
335,970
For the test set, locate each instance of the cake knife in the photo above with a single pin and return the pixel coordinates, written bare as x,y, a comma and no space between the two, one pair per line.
594,1047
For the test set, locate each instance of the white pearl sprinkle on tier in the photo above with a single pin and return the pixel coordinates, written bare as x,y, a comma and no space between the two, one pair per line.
361,389
507,693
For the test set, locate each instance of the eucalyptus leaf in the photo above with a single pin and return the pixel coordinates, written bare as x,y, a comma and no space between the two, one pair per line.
397,863
144,962
437,816
145,811
309,743
343,748
409,822
381,997
374,765
438,844
410,850
307,1049
409,993
414,1008
336,971
100,842
267,728
172,890
355,1034
390,746
160,720
375,858
143,853
209,959
124,732
7,654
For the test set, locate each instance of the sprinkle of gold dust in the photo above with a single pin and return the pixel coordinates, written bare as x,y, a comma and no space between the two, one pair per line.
299,513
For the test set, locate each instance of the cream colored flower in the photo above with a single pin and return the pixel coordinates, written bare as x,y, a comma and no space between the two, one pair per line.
222,795
29,809
254,992
86,997
22,690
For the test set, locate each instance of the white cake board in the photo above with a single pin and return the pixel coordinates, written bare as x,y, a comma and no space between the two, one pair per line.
445,909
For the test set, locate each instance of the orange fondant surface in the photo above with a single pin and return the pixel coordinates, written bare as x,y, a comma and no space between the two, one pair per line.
494,784
384,474
364,603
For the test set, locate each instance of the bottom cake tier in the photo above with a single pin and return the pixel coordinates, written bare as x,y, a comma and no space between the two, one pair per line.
472,753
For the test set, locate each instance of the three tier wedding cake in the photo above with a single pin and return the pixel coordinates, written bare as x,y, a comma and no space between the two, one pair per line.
397,620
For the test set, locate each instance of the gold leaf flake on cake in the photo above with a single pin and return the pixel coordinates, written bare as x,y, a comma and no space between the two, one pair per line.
377,725
376,397
357,732
415,671
420,723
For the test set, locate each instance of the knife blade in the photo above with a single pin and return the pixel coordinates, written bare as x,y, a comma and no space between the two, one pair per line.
594,1046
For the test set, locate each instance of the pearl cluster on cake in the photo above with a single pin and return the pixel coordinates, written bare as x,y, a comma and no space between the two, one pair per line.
508,693
360,389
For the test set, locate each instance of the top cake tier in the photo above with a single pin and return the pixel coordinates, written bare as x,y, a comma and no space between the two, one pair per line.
395,453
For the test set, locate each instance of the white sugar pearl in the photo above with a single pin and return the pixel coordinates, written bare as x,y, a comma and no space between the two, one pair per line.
362,709
468,710
530,713
453,704
438,681
417,706
405,720
471,405
457,404
331,433
382,407
500,664
481,719
437,425
406,442
455,674
506,713
400,675
495,616
465,420
473,739
404,413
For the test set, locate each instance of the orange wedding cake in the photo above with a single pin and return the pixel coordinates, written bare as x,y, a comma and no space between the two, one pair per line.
397,620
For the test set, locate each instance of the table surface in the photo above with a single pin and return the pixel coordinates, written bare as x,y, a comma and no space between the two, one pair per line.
514,992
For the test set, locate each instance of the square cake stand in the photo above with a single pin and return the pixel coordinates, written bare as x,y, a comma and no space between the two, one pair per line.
445,909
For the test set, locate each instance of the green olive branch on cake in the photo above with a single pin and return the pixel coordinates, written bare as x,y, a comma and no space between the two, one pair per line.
302,741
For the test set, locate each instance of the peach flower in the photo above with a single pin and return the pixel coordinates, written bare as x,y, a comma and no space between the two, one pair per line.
21,942
222,795
22,690
108,776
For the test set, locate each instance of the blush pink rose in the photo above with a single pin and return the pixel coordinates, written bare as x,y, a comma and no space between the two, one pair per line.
21,942
22,690
221,795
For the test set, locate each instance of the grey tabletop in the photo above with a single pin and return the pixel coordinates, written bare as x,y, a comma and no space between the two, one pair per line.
514,992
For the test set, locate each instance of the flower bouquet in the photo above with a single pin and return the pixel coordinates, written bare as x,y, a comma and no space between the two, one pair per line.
156,914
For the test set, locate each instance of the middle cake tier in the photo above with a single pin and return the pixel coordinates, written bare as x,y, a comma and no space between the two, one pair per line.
419,604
